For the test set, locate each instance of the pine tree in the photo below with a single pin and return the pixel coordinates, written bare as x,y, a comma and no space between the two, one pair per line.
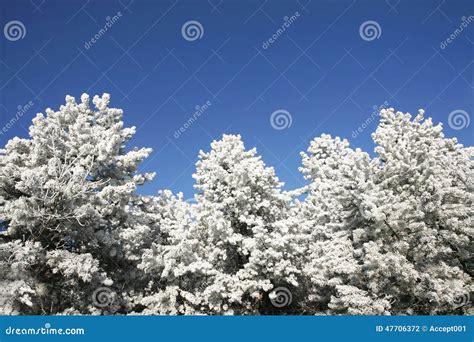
239,209
389,234
64,196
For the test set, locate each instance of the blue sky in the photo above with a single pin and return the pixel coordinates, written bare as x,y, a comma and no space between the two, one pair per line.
320,70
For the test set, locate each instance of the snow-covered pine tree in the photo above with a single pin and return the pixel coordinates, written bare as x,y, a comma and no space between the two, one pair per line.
169,264
225,253
238,213
390,234
228,251
384,235
337,204
64,198
425,186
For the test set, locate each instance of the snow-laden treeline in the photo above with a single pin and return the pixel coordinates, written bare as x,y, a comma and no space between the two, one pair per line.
384,235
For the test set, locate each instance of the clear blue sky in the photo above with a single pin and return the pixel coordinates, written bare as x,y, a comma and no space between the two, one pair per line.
319,69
